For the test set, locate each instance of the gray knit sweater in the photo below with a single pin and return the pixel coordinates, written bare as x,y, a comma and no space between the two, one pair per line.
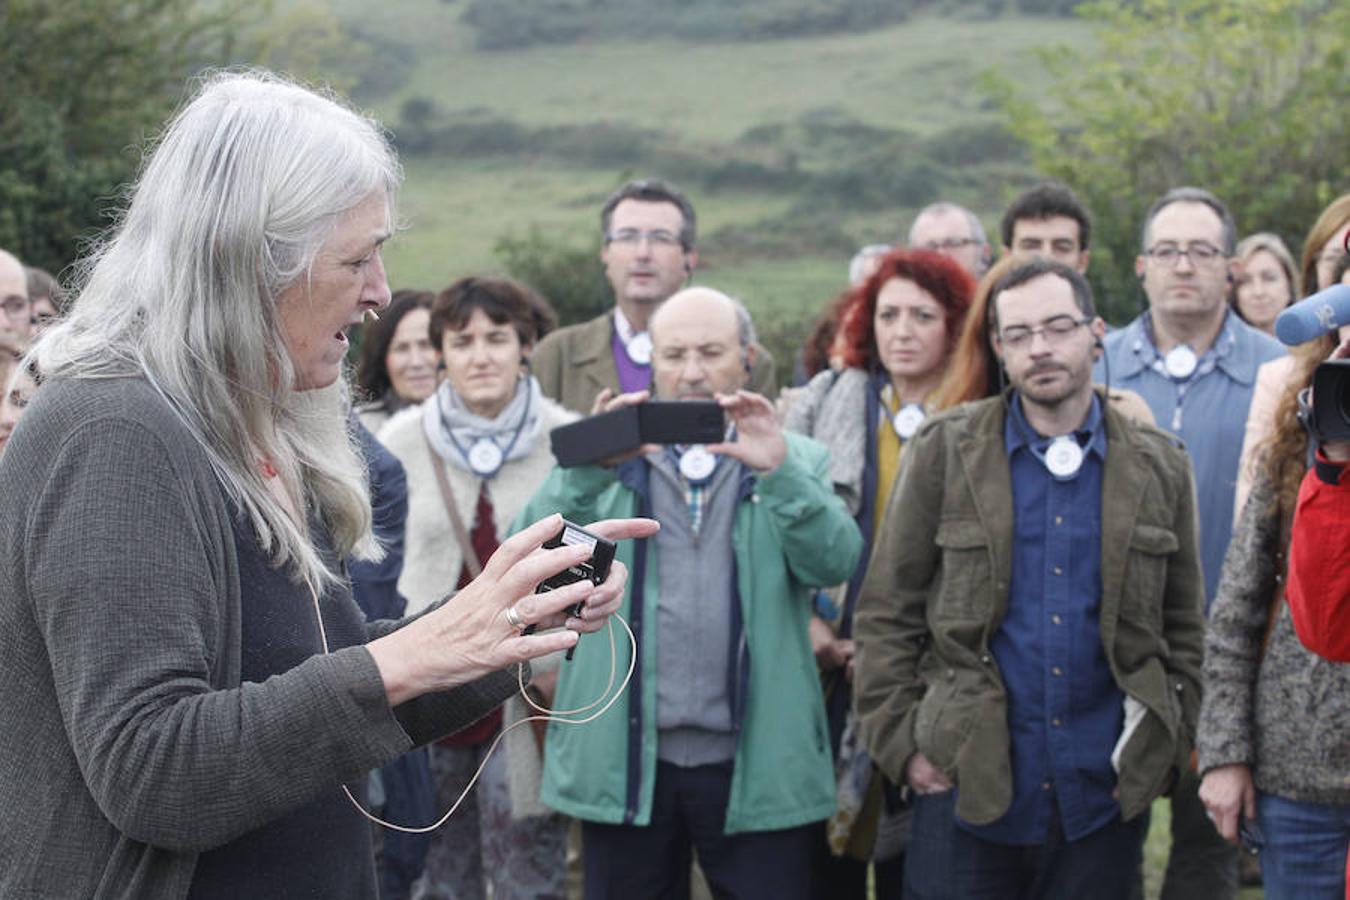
127,743
833,409
1286,715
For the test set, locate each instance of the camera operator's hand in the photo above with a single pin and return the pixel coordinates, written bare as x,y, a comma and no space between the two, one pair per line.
1229,796
759,438
1338,451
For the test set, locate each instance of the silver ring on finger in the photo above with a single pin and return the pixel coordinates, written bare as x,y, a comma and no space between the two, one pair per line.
513,616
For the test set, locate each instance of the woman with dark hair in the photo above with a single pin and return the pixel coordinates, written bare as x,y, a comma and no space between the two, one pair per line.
1272,744
398,359
474,452
897,331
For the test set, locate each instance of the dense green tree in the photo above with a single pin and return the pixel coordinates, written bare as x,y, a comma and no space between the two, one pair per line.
85,82
1248,98
568,276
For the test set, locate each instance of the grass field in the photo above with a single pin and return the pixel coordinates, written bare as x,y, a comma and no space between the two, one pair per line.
918,78
921,74
1158,845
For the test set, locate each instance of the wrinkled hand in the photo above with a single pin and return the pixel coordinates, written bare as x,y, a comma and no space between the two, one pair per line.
1229,795
471,635
759,437
924,777
608,401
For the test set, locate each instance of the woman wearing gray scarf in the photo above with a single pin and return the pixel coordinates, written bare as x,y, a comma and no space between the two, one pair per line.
479,446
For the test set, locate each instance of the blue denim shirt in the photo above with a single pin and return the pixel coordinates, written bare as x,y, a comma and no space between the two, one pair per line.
1064,709
1209,414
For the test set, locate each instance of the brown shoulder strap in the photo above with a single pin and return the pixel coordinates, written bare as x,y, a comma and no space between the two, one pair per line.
448,496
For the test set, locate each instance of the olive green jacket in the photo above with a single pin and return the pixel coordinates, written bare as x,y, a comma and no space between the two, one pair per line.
936,593
575,363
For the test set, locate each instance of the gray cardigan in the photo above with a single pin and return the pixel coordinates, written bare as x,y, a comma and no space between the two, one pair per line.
833,409
1287,714
127,743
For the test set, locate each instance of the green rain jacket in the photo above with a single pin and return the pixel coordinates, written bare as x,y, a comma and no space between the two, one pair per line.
791,532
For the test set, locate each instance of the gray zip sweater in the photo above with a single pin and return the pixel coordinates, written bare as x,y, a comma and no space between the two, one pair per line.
1287,714
127,743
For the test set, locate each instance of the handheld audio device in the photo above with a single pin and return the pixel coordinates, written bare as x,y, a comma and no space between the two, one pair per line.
594,569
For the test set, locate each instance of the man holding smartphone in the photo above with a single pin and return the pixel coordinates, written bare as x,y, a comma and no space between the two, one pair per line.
719,743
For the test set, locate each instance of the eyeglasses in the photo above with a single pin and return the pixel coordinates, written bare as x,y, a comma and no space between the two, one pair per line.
631,237
1055,330
1197,254
949,245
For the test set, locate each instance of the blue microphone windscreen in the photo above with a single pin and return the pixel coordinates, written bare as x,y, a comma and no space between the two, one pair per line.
1311,318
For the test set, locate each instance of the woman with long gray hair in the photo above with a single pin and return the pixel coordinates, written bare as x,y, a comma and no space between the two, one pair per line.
189,685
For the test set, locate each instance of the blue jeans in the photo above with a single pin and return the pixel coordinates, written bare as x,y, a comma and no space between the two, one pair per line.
944,860
1305,847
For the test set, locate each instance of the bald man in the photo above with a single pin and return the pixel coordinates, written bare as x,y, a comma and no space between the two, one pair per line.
718,743
16,313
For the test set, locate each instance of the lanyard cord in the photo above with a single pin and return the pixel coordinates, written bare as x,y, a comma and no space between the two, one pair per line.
546,716
464,454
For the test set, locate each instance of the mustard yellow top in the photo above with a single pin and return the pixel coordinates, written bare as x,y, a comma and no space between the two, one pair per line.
889,449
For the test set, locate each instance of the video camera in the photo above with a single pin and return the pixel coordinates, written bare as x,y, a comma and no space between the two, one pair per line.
1327,418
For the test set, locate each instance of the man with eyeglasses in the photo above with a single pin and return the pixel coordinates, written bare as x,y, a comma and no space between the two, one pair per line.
16,313
1194,362
952,231
649,233
1029,633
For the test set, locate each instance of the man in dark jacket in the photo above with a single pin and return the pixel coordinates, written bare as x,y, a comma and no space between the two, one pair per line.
1030,630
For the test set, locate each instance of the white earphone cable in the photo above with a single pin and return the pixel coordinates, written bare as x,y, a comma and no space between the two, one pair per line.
547,715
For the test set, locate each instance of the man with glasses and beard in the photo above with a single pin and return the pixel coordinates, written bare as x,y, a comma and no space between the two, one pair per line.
1029,632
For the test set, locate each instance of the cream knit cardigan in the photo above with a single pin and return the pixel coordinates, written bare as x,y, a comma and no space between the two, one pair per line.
433,558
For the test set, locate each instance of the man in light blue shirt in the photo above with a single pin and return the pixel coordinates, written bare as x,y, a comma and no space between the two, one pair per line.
1194,362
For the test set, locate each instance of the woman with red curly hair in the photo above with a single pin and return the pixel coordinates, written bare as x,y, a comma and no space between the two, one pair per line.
897,331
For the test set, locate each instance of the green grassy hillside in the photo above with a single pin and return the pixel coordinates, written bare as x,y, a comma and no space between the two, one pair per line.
793,151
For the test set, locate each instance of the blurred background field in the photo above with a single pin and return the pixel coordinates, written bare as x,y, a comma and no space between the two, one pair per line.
801,129
794,151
